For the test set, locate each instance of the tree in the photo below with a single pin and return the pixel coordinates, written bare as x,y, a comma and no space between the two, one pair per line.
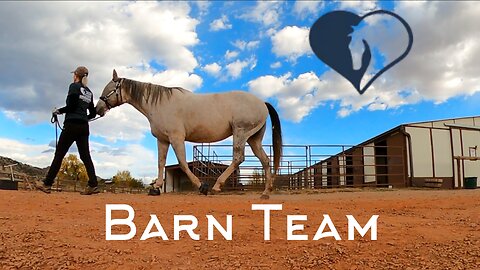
124,179
72,169
136,183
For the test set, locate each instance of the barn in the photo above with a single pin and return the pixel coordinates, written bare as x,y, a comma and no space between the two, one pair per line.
441,154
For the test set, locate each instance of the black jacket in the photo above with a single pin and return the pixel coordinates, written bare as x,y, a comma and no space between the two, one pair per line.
79,99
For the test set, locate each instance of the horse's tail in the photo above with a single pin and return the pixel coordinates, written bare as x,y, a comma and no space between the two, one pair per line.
276,137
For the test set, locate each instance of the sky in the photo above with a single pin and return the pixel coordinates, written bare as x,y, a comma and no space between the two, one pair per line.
213,47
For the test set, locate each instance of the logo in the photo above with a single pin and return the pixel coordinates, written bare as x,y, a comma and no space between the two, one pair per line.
330,38
86,95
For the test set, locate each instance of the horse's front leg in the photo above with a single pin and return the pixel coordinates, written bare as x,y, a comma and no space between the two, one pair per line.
162,159
178,145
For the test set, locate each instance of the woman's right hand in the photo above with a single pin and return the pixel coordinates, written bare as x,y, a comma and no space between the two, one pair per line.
55,112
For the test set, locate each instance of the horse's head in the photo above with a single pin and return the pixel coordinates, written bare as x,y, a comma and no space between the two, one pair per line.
111,95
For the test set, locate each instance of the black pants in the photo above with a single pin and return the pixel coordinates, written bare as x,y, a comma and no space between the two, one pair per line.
73,132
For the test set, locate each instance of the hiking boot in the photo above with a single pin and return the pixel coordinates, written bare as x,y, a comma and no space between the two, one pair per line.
90,190
40,185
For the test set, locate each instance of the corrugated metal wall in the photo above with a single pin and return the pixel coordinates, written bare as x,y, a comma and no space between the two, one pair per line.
441,151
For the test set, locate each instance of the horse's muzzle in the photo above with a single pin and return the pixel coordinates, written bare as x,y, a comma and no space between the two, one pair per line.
100,109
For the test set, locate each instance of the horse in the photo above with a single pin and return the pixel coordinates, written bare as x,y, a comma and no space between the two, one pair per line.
177,115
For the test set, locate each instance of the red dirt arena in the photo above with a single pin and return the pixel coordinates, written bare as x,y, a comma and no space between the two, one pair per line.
417,229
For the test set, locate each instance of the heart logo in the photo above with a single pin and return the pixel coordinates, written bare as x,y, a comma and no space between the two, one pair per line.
330,38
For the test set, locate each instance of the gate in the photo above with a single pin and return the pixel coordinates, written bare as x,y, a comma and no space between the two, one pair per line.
306,166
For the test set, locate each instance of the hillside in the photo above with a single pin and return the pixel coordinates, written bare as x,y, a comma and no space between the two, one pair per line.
26,169
22,168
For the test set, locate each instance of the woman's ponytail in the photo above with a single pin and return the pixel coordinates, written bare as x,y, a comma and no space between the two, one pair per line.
85,80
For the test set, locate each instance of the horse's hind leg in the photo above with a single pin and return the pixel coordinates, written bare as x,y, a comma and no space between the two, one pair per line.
239,140
255,143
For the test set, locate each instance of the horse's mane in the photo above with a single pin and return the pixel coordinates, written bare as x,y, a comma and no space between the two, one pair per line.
147,92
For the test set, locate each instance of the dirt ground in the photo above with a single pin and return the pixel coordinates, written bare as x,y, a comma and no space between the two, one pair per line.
417,229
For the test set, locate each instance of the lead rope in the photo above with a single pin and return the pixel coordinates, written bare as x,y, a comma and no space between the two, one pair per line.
54,120
96,118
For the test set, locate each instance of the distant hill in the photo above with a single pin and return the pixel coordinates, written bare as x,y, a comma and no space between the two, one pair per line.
22,168
25,169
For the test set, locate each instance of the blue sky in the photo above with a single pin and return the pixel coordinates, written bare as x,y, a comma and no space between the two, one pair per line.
209,47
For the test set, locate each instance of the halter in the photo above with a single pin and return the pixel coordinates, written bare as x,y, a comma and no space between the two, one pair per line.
115,91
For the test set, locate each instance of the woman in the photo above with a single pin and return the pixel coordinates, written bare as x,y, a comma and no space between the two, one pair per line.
75,129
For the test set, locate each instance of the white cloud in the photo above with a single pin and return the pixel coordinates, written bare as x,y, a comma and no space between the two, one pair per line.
264,12
79,34
121,123
172,78
297,97
220,24
234,69
242,45
360,7
32,154
270,32
231,54
291,42
141,162
442,64
444,59
12,116
305,8
212,69
137,159
169,77
268,86
155,23
202,7
344,112
377,107
276,64
252,44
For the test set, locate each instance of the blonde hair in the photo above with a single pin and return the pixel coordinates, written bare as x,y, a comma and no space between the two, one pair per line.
85,80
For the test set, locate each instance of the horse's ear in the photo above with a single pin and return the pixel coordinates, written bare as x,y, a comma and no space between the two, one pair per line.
115,76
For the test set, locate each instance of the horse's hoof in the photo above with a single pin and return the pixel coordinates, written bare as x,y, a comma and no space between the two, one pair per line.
203,188
216,188
154,192
265,197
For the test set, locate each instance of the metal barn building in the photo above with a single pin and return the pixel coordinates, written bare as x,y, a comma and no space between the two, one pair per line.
425,154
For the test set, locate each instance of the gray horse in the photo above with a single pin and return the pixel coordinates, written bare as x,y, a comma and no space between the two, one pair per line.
177,115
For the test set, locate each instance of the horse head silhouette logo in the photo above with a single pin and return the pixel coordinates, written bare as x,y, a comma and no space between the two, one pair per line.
330,38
